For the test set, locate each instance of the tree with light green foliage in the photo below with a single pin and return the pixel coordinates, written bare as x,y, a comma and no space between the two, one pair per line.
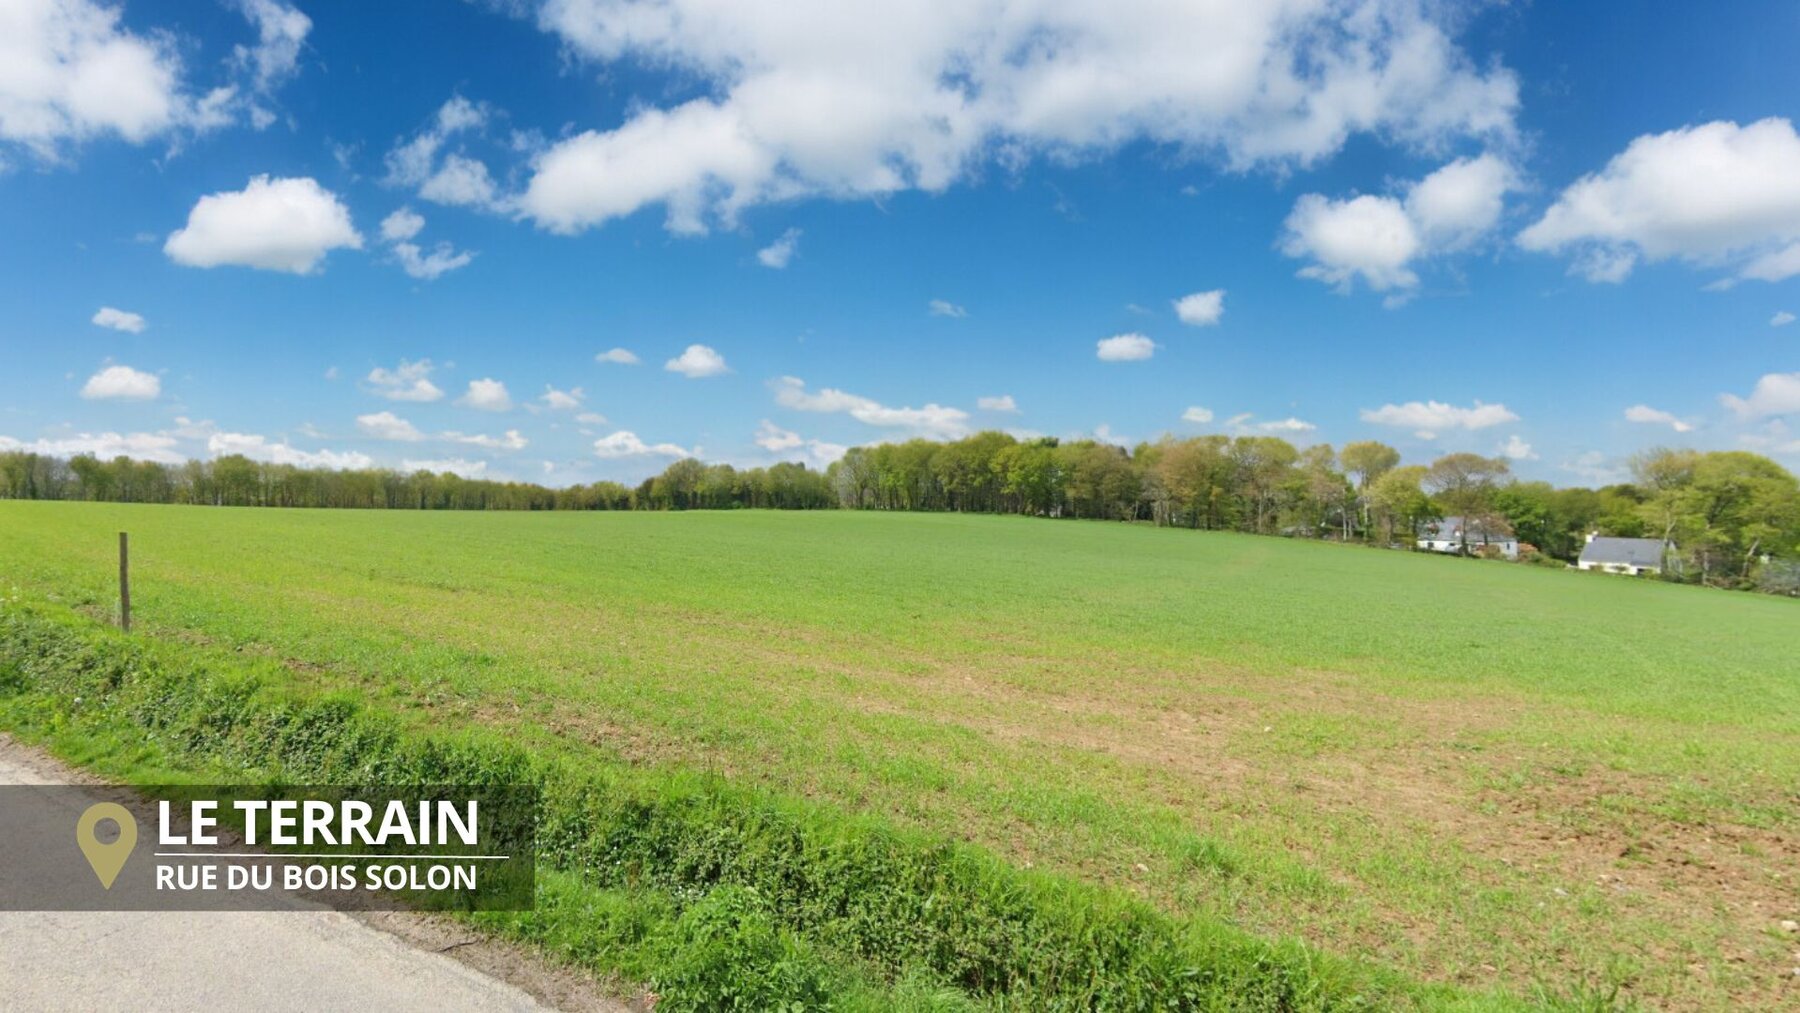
1029,476
1398,501
1264,464
1464,485
1366,461
1199,475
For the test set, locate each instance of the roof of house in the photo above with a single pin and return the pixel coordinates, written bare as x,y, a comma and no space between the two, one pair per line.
1623,551
1446,528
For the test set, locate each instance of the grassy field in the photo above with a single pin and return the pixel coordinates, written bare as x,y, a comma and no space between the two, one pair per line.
1475,773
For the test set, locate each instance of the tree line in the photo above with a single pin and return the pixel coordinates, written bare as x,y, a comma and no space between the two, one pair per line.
1734,515
235,480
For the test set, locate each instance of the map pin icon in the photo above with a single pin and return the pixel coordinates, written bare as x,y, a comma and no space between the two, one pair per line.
107,859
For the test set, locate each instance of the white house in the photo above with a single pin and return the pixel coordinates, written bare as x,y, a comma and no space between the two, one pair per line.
1624,555
1449,535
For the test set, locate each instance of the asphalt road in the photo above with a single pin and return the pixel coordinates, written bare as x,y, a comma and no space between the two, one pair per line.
305,958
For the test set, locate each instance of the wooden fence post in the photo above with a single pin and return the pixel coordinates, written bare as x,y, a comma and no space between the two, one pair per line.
124,583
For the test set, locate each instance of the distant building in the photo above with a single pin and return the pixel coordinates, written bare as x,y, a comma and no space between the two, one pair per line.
1449,535
1624,555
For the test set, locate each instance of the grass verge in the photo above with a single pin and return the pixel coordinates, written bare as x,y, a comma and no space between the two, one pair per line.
718,897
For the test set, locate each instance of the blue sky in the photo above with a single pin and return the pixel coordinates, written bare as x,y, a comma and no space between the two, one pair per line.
1541,229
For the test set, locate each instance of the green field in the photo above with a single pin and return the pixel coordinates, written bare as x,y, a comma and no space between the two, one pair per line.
1492,776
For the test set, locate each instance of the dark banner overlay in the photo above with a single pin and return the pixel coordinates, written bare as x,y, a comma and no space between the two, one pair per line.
258,848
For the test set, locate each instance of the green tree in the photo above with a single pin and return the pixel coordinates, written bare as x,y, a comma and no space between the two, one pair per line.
1326,497
1365,461
1397,500
1030,477
1198,476
1264,464
1464,485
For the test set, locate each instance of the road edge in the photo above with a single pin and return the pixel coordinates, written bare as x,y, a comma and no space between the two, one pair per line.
554,985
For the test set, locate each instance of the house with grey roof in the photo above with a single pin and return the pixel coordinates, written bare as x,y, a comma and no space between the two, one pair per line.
1451,534
1624,555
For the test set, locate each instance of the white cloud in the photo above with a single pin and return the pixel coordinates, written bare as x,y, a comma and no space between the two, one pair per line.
618,356
1603,266
388,426
591,419
459,114
921,95
1124,348
1366,236
1781,319
1775,265
398,230
1457,205
1428,418
1653,416
138,446
486,395
1774,438
1595,468
932,420
1197,415
402,225
777,440
772,437
120,320
1244,423
460,466
1517,449
69,71
1708,194
281,31
697,361
1378,238
121,383
625,443
822,453
272,224
1287,425
778,253
1201,309
447,177
188,429
258,448
945,308
1000,403
511,440
442,259
409,381
1775,394
460,182
413,162
561,400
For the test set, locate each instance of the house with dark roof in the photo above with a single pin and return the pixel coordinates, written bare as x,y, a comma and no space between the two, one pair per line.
1624,555
1451,534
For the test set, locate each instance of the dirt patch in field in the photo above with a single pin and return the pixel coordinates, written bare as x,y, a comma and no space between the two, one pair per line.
1425,766
1739,877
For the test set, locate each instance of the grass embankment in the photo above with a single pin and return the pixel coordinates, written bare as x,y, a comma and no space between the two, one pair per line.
720,897
1476,773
